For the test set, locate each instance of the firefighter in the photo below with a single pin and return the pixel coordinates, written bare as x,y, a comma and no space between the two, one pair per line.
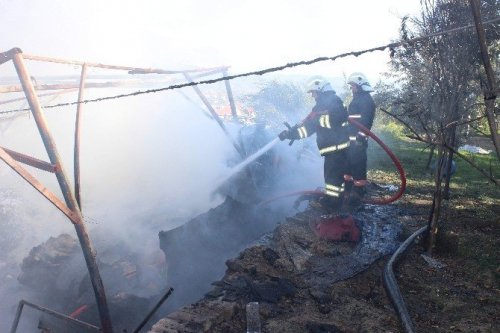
328,119
362,109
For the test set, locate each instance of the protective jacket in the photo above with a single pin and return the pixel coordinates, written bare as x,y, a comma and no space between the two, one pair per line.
328,119
362,109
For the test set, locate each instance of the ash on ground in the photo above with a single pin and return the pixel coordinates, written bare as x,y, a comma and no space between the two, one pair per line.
294,276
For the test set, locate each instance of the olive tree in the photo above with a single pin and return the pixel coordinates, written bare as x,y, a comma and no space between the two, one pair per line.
439,81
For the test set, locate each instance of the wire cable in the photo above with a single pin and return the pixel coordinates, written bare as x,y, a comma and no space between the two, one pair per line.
389,46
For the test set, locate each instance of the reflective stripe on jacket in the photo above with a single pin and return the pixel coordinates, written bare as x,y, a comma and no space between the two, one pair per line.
328,119
362,109
334,191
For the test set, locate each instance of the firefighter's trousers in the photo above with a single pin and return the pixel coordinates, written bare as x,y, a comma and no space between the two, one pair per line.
357,159
334,169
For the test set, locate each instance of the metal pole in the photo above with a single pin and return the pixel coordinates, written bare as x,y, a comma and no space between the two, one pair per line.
151,313
50,312
31,161
15,323
134,70
39,95
54,199
78,120
88,251
230,97
64,86
214,114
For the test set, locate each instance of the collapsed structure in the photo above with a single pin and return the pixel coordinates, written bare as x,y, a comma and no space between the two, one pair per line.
71,206
292,274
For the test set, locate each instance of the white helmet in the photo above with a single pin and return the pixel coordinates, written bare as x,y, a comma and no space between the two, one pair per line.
360,80
318,84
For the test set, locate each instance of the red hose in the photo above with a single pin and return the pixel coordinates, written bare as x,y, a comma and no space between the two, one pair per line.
393,157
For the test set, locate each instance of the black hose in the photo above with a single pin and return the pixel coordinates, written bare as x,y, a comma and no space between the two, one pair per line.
391,285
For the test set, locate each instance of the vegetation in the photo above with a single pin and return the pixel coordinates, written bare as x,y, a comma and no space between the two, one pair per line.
438,100
276,102
439,86
467,181
469,219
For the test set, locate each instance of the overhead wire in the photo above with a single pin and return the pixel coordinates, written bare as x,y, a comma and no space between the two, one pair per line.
389,46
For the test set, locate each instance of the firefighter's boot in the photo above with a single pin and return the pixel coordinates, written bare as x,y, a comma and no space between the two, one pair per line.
356,196
328,204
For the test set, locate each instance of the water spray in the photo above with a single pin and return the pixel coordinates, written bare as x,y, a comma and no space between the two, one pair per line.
247,161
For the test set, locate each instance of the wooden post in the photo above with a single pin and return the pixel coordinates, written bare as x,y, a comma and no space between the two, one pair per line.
489,95
435,213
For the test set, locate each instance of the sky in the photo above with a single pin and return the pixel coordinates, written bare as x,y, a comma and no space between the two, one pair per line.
246,35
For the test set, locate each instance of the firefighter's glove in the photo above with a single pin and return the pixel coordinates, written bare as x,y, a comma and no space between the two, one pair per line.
285,135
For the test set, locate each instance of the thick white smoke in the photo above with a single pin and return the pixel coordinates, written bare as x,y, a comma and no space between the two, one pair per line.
148,163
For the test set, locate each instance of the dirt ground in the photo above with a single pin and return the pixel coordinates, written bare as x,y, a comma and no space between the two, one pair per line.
456,291
463,295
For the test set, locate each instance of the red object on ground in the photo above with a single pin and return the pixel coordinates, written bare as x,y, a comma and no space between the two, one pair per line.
337,228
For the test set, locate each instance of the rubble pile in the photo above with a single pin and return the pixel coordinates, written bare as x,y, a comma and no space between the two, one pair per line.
43,268
55,274
293,275
196,251
303,283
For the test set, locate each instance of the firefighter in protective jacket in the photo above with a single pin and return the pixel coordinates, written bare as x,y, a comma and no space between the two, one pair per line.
328,119
362,109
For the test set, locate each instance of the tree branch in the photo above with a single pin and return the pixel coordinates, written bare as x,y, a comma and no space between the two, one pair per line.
401,121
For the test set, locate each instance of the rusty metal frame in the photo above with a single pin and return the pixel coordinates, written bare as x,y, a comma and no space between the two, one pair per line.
70,208
72,205
65,86
53,313
57,93
230,96
78,120
31,161
197,73
214,114
11,162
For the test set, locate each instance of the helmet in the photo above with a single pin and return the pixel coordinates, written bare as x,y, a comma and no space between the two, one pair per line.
318,84
361,81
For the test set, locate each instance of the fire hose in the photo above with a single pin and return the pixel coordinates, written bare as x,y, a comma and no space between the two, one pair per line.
391,284
389,279
381,201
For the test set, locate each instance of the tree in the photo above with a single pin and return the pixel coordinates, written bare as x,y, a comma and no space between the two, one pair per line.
440,81
276,102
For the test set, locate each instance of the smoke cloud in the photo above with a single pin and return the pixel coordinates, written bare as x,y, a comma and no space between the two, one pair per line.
148,163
